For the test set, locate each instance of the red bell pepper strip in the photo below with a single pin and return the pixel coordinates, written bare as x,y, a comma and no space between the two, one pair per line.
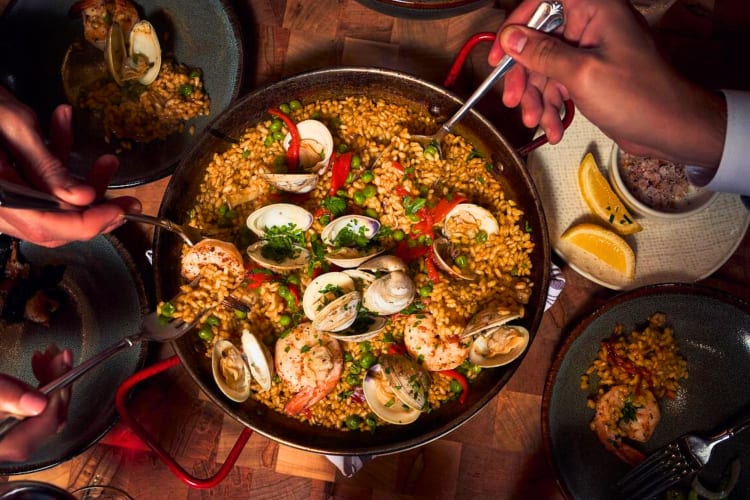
294,291
402,191
256,277
398,166
396,349
461,380
444,206
407,253
292,153
320,212
342,165
432,271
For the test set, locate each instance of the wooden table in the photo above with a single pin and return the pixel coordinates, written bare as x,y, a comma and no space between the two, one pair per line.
497,454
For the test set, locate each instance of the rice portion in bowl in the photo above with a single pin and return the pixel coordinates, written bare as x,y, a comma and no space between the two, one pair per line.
394,181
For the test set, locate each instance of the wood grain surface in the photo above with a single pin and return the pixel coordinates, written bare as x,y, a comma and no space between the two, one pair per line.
499,453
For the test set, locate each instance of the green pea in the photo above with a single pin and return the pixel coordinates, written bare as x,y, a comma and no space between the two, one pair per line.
240,314
371,421
325,219
365,346
349,178
213,320
342,148
278,135
348,357
461,261
425,291
456,387
353,422
167,310
481,236
222,210
268,140
231,214
196,73
356,161
355,369
370,212
352,379
186,90
368,359
398,235
295,105
285,108
276,125
284,292
359,197
205,333
367,176
285,320
430,152
370,191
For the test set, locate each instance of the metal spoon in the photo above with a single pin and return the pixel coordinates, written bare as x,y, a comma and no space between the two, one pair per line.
547,17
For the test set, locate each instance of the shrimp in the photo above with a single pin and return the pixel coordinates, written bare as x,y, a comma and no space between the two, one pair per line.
99,15
621,412
311,362
435,350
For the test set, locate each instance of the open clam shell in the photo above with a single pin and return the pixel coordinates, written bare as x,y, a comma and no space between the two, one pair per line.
323,290
259,360
230,371
491,317
375,325
471,216
384,264
279,215
145,43
407,379
347,255
389,294
316,146
383,401
445,255
292,183
499,346
357,224
339,314
298,261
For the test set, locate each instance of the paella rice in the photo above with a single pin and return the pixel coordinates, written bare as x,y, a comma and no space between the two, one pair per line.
402,185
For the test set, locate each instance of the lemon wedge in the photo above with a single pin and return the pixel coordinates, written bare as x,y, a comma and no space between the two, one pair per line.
599,252
602,201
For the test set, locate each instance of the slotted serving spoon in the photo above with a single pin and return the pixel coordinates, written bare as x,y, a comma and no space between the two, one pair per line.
547,17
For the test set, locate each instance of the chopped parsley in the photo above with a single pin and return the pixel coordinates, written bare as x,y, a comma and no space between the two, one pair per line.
334,204
283,242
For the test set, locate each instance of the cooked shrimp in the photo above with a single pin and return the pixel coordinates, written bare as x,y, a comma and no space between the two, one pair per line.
222,254
98,16
434,350
311,362
621,412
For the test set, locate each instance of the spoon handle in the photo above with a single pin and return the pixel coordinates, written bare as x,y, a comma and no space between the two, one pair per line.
547,17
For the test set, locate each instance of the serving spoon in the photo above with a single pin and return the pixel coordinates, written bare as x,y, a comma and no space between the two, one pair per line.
547,17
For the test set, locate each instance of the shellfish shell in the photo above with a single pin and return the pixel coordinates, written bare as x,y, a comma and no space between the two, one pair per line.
278,215
230,371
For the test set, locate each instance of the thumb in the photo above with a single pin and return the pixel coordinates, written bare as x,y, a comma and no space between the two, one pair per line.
18,398
538,52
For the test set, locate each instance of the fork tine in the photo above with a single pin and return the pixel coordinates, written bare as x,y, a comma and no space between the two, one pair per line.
652,488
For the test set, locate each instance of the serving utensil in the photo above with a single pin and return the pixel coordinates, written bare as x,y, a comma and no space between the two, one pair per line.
684,456
154,328
547,17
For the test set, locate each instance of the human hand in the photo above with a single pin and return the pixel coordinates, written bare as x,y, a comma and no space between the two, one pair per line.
605,60
44,169
45,414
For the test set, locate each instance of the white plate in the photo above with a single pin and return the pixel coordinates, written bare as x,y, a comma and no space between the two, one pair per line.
683,250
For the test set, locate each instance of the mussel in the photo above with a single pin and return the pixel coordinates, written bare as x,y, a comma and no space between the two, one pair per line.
396,389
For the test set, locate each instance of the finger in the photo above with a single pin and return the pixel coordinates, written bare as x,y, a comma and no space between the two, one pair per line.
550,120
531,104
32,432
61,132
19,398
101,173
514,85
540,53
519,15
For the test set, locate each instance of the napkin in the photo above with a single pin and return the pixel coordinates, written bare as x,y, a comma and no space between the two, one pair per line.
349,465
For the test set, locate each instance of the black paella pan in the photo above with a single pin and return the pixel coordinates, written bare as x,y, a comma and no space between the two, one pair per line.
393,87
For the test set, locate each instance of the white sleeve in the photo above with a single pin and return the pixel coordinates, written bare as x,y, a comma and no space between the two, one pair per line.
733,174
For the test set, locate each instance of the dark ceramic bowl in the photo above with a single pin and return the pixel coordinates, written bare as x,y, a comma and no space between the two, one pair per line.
712,330
425,9
35,34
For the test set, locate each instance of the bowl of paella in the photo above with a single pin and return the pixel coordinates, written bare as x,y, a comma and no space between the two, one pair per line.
358,292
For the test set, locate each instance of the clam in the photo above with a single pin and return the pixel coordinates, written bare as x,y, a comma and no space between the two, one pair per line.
389,294
230,371
316,146
259,360
141,61
383,264
293,183
445,255
396,389
491,317
499,346
279,215
365,327
82,66
340,314
350,240
323,290
265,256
476,217
362,279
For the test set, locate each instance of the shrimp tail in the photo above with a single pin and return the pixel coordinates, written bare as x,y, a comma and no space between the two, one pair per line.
302,400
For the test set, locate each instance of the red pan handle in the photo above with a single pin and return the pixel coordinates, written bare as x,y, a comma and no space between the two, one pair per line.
455,70
182,474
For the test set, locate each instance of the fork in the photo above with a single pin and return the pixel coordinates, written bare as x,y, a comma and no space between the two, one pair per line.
547,17
154,327
684,456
